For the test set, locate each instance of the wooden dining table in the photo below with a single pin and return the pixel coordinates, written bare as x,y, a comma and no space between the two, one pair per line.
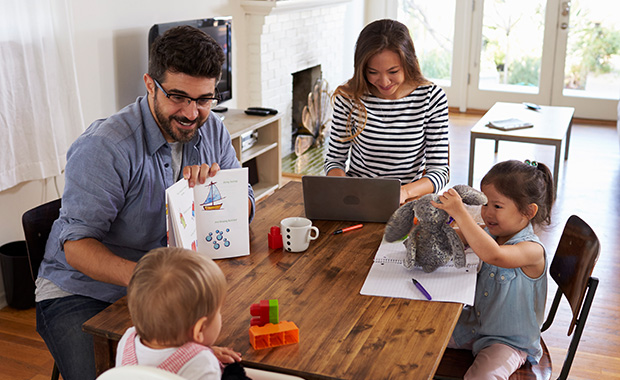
342,334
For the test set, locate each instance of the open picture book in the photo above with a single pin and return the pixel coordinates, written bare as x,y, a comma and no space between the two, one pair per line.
211,218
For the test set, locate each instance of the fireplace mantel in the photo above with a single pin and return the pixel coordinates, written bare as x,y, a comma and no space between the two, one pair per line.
268,7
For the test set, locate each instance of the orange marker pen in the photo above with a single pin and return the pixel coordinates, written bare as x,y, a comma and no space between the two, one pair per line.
355,227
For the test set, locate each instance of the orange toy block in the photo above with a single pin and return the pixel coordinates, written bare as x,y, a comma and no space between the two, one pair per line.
271,335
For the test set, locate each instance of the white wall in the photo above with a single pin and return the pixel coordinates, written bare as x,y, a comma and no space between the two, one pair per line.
110,43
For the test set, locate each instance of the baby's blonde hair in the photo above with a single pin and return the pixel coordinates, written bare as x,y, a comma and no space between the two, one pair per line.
170,290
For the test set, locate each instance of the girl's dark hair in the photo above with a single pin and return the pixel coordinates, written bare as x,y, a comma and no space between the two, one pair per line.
185,49
376,37
524,184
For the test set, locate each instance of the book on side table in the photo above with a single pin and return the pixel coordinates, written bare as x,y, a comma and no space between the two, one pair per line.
210,218
509,124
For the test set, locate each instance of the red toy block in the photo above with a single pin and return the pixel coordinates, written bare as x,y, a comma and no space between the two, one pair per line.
274,238
266,311
273,335
260,311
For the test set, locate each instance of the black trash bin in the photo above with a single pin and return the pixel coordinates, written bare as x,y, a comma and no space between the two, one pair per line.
18,283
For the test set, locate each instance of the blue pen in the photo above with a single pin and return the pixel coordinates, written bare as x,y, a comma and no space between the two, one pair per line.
421,289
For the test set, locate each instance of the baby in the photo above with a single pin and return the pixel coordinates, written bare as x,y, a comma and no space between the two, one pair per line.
175,298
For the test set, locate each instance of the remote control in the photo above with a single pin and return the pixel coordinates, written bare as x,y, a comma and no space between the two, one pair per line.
532,106
220,109
257,112
272,111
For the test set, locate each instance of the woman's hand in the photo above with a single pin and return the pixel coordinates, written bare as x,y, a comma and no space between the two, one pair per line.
226,355
404,196
336,172
415,190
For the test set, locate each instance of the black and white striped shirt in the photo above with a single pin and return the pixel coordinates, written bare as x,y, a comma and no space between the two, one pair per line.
405,138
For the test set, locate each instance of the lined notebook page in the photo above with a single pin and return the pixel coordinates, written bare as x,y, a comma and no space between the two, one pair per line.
389,278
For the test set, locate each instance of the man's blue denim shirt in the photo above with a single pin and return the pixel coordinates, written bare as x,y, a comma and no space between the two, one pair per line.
115,181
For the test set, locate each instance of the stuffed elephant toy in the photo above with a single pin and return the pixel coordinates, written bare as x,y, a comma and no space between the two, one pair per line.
431,241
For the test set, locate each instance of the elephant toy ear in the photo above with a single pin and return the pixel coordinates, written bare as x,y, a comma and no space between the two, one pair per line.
470,195
400,223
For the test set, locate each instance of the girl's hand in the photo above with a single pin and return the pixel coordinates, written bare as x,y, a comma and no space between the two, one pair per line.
451,203
226,355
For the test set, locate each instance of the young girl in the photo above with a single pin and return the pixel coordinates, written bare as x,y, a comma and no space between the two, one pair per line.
503,326
174,298
389,120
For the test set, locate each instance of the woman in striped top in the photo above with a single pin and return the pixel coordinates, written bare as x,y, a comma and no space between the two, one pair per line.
390,121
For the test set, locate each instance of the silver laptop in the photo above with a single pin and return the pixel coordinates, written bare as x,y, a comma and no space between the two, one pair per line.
350,198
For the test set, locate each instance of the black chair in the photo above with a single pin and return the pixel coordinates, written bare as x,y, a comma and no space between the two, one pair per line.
571,269
37,224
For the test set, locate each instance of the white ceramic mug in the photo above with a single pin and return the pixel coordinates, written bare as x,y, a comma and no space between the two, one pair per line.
297,233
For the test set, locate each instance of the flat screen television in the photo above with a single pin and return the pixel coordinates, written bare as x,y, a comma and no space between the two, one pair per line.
220,29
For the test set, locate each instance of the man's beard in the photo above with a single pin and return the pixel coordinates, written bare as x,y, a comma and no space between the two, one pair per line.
178,135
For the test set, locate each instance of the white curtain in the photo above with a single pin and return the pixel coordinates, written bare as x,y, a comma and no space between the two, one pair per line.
40,112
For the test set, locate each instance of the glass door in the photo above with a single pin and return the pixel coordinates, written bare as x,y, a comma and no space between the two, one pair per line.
441,45
548,52
510,59
587,69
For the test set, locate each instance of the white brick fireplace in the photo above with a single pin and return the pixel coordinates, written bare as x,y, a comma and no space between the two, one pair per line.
288,36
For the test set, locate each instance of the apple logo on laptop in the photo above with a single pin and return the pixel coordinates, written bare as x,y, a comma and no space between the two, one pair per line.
351,200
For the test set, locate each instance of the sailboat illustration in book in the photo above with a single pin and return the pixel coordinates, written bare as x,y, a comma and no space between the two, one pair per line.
213,197
217,234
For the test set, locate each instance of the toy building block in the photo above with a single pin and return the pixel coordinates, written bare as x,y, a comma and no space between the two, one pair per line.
266,311
274,312
260,312
273,335
274,238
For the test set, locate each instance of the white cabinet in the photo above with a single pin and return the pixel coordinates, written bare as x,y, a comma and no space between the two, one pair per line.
263,158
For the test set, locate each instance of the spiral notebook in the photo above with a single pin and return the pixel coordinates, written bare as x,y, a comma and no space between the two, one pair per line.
389,278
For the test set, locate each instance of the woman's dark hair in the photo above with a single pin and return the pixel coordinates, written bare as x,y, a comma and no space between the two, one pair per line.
524,183
376,37
187,50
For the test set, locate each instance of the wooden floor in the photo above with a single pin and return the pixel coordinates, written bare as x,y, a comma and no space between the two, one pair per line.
589,187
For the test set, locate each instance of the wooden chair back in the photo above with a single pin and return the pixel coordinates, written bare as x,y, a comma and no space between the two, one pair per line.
37,224
573,263
571,269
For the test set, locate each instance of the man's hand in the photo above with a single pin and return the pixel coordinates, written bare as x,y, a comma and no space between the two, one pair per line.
226,355
199,173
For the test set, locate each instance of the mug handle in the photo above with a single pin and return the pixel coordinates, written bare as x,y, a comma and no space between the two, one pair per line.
316,230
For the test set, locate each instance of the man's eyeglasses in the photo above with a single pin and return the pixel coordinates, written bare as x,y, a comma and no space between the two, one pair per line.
204,102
